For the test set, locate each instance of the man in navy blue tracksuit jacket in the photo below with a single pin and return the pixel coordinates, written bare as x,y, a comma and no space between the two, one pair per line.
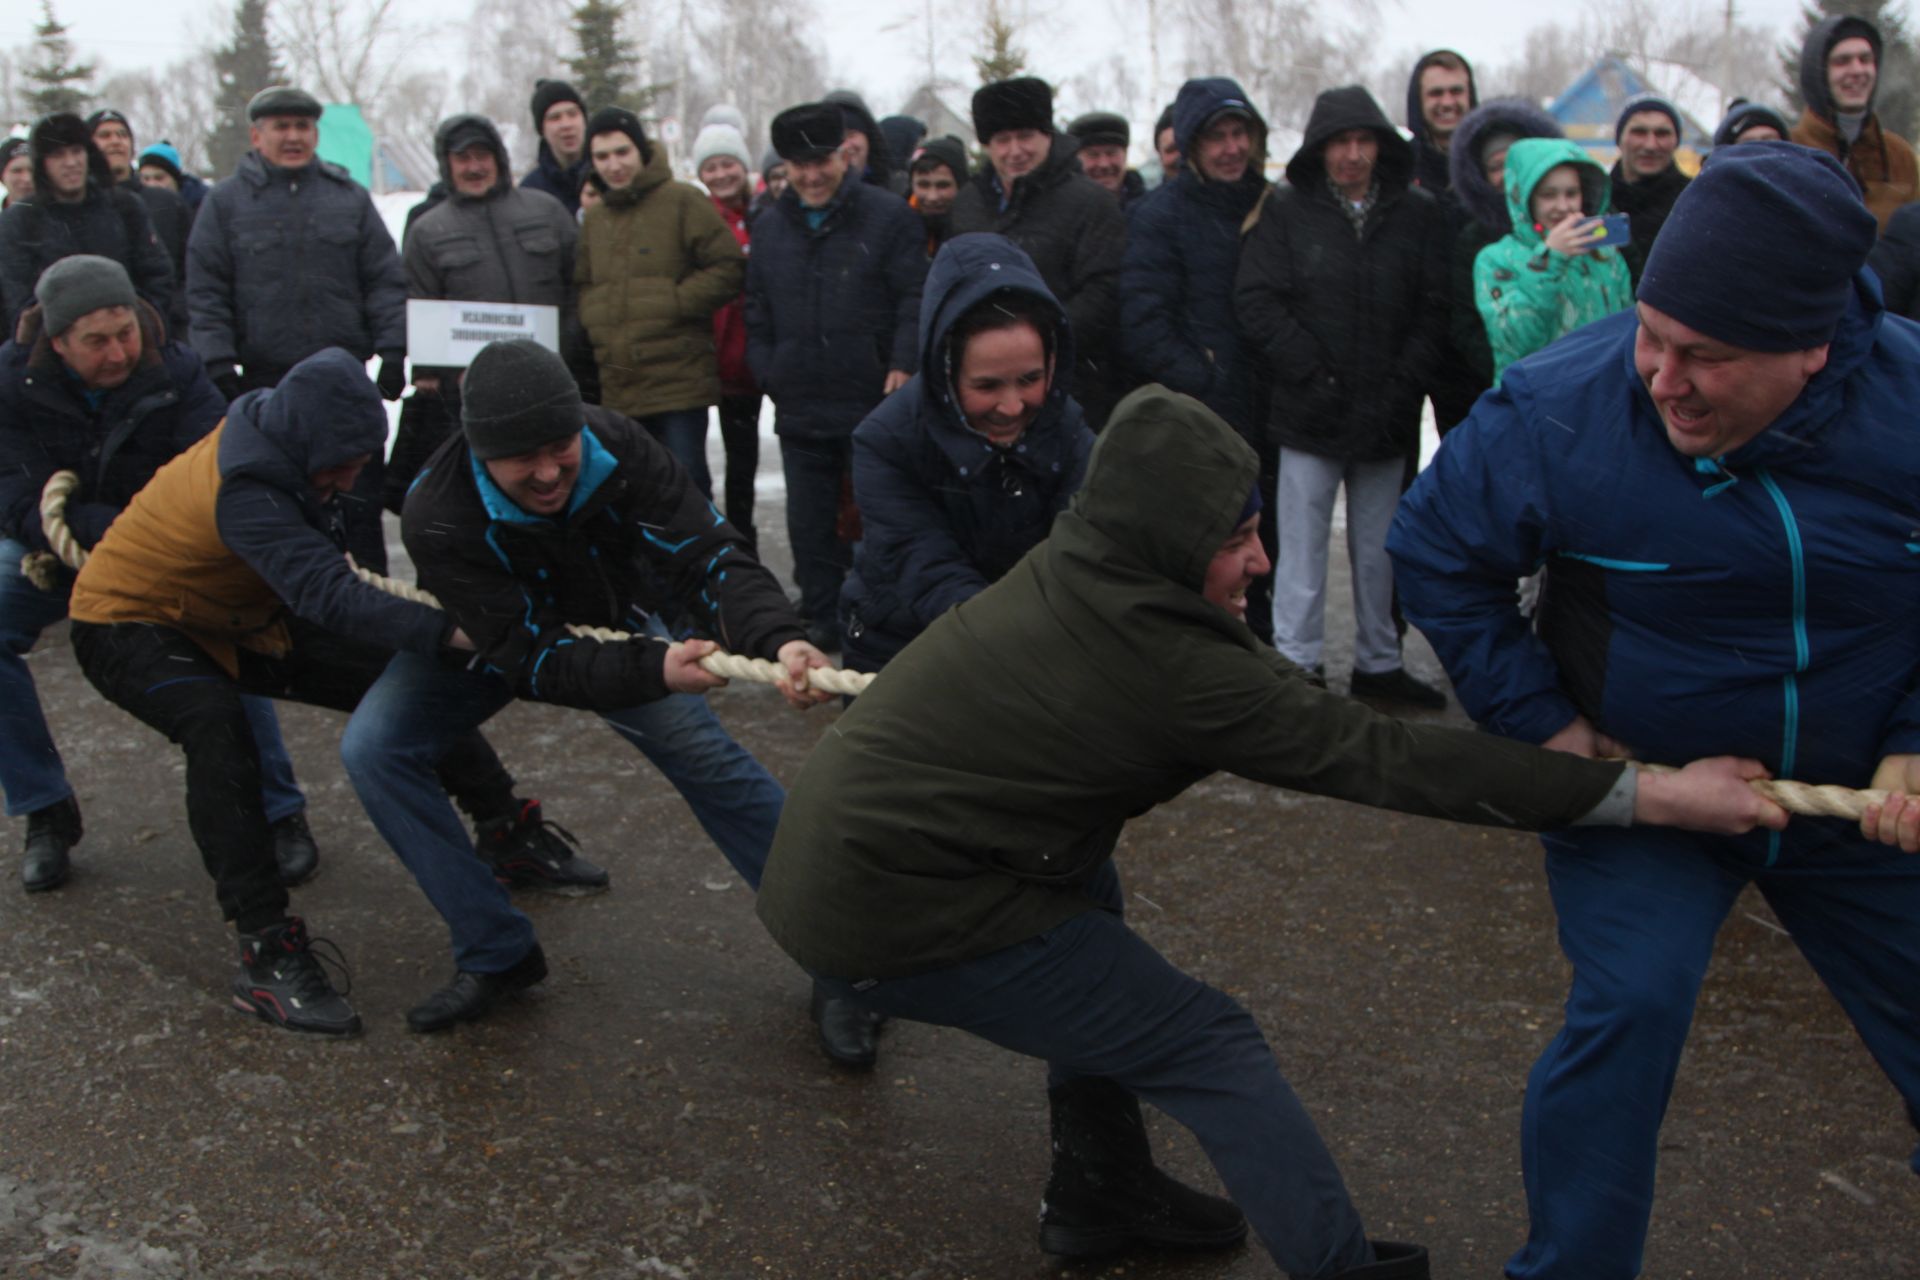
1724,488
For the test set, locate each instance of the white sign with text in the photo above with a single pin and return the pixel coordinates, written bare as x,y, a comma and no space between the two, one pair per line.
450,334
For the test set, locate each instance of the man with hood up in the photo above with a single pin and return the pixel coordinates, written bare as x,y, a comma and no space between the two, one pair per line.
869,155
1839,74
1440,93
1478,157
1033,193
77,207
1342,289
489,241
225,576
999,759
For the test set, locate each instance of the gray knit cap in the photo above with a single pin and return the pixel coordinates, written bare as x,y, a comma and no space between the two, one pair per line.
79,284
516,397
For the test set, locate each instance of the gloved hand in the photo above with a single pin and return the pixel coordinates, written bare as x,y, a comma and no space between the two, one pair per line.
226,380
393,376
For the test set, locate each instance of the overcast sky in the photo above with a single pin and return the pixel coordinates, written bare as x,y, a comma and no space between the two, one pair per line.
1062,38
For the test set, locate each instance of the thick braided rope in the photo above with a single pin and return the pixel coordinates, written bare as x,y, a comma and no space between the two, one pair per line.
41,568
1803,798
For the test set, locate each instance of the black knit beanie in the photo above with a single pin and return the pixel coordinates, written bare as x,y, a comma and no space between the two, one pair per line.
1761,249
516,397
947,150
1025,102
548,92
620,120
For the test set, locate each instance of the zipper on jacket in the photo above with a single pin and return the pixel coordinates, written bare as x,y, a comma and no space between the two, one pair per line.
1790,692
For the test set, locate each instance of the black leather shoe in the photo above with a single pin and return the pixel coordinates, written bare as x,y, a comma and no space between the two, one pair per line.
294,852
1397,686
471,994
50,833
1392,1261
848,1032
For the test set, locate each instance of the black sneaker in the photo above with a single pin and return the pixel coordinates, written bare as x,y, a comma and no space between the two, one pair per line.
281,981
50,833
1396,686
527,851
471,994
294,851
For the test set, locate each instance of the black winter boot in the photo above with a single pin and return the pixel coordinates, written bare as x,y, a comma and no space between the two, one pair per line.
1392,1261
1105,1193
50,833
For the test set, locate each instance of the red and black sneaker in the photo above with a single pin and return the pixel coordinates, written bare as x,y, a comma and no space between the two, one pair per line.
282,981
528,852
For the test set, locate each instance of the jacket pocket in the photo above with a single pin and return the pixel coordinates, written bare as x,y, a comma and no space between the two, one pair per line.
454,253
537,239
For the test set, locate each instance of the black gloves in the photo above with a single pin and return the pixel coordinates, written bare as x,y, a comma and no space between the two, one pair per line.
393,376
226,380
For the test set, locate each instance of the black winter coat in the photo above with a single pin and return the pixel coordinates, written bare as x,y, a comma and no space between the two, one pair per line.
283,263
1896,259
109,221
831,310
635,525
46,425
1177,325
1350,325
1076,234
1646,204
563,184
172,221
943,512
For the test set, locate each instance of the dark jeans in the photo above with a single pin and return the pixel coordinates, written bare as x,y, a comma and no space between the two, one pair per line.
816,470
684,433
740,433
168,682
1092,998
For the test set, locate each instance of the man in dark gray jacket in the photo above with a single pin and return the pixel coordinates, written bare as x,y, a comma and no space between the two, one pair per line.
288,257
488,241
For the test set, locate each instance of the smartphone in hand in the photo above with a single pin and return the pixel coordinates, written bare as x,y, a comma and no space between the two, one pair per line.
1612,229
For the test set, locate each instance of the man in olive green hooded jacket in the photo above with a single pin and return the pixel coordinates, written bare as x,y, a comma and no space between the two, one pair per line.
945,853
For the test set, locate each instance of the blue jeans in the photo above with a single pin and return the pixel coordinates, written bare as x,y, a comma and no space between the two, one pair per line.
816,470
684,433
1092,998
1638,912
30,769
402,728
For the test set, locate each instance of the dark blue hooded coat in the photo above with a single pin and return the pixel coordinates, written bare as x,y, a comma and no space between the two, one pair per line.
323,414
562,183
1761,604
943,512
1177,325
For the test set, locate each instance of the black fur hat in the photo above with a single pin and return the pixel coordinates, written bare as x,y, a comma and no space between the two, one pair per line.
1024,102
808,131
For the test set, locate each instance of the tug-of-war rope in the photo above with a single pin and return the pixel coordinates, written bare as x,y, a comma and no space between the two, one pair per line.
41,569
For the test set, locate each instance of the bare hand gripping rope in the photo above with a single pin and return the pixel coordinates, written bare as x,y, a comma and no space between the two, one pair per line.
40,568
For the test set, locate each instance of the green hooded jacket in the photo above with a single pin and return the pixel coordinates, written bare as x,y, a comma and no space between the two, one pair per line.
962,802
1528,294
654,262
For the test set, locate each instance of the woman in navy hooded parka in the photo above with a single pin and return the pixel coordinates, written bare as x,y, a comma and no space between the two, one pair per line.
961,472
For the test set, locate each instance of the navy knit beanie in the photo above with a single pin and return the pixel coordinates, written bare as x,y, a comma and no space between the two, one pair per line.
1762,248
1647,102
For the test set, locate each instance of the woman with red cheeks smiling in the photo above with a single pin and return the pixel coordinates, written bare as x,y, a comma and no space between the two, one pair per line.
961,472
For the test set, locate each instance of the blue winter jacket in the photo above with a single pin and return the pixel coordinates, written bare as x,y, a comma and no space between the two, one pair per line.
943,513
1177,325
1762,604
830,309
563,184
285,262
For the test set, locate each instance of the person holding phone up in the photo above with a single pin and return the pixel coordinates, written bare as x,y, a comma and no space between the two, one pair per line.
1557,269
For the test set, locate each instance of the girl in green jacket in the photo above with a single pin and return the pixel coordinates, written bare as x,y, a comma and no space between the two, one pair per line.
1541,281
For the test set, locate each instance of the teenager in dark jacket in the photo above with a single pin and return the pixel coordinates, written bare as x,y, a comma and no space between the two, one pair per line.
833,295
77,207
168,212
487,241
935,175
544,513
91,385
225,576
1478,157
1440,93
1033,193
1342,288
560,121
1646,178
947,854
961,472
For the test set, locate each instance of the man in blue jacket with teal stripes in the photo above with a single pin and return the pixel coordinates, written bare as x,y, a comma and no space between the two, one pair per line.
1724,489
